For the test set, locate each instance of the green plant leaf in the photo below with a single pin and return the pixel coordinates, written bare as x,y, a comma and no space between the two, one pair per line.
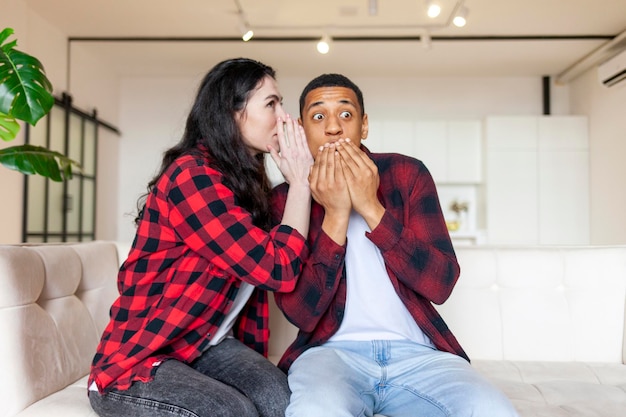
4,35
29,160
26,95
9,127
25,91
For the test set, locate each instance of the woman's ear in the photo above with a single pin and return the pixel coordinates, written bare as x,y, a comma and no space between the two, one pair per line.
240,116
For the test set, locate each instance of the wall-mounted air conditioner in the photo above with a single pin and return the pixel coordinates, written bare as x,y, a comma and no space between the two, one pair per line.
613,71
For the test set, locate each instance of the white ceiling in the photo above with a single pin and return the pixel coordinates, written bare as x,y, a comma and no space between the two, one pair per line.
491,44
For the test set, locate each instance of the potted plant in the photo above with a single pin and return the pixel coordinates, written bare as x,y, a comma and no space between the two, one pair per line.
26,95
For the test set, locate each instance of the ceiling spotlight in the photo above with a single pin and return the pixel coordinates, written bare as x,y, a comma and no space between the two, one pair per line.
323,46
461,17
247,33
244,27
433,8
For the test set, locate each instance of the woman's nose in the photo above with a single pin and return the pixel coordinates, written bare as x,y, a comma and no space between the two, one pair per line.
280,112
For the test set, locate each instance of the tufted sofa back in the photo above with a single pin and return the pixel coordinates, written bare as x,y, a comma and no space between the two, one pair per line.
54,303
528,304
540,303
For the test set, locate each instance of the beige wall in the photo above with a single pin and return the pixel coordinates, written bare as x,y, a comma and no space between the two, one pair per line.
91,86
11,184
14,15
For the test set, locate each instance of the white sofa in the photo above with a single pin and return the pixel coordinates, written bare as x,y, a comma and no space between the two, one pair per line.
544,324
54,305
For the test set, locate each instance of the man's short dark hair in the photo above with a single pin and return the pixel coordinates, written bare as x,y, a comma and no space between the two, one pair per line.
331,80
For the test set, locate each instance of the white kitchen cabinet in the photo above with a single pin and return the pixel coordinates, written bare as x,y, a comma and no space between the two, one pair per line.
398,136
430,145
390,136
512,198
537,180
511,180
511,133
452,152
564,185
464,164
451,149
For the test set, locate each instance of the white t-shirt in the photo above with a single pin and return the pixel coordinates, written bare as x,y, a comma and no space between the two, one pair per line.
374,310
225,329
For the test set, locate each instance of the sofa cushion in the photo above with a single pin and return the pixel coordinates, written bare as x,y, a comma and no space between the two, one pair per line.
54,302
71,401
560,389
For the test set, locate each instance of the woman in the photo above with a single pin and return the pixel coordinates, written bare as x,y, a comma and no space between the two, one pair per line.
188,333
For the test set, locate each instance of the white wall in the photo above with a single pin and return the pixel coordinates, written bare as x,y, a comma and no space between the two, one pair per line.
606,109
153,113
152,117
443,97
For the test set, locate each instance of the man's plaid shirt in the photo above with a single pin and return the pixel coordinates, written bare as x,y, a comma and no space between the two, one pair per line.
193,248
414,242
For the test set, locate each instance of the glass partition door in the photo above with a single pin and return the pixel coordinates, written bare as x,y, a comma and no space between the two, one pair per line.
63,211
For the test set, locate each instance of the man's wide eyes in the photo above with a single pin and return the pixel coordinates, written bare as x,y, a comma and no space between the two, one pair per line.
343,115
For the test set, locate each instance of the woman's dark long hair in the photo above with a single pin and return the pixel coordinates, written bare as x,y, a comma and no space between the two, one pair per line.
224,91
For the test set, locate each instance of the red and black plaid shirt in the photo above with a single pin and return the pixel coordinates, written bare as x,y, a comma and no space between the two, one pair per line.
194,246
414,242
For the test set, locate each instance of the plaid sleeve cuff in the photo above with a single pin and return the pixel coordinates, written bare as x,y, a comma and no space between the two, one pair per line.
290,237
328,252
387,234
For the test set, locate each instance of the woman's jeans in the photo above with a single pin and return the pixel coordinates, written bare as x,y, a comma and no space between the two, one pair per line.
228,380
394,378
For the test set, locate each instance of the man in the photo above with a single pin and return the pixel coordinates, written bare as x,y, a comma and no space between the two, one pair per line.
370,340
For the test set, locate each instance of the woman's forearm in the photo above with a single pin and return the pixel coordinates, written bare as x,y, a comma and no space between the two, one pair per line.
298,208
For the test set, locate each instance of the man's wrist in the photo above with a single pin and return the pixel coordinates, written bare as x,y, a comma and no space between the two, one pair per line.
335,225
373,215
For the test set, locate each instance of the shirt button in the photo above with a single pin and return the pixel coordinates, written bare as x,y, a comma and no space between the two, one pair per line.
336,256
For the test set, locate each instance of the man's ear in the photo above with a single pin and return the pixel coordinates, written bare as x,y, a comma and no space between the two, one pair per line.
365,127
300,121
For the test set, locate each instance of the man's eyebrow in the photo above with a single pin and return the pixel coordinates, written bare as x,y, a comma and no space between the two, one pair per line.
321,102
314,104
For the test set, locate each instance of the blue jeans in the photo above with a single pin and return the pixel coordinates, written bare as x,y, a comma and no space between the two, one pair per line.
228,380
394,378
